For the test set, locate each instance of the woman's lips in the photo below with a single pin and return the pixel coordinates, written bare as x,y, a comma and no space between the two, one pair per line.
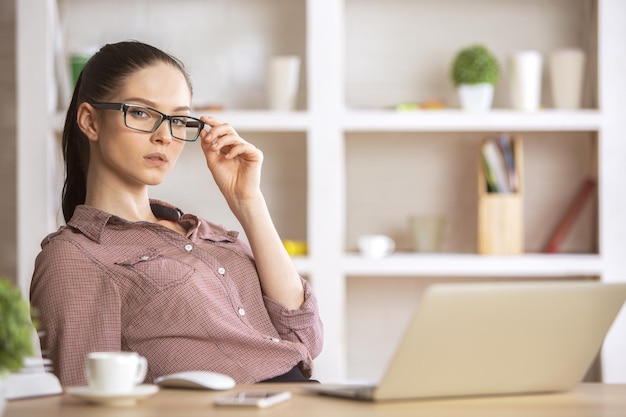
156,159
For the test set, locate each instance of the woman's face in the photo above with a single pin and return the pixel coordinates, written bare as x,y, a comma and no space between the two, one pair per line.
122,157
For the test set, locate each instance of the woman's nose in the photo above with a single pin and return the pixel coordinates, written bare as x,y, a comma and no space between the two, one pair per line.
162,133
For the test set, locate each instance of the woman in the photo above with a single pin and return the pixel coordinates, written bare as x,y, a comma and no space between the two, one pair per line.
133,274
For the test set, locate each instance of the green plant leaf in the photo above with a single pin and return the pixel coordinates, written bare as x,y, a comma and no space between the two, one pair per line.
474,65
15,328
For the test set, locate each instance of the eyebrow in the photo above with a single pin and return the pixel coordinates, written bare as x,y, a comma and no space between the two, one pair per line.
152,104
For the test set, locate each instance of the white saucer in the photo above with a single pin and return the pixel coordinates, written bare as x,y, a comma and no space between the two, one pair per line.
139,393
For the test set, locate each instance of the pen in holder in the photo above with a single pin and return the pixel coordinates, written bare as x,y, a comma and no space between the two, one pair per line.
500,212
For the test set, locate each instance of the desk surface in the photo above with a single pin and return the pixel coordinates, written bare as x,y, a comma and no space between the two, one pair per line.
587,400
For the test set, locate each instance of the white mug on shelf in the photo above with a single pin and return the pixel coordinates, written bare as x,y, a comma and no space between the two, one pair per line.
282,82
376,246
115,372
525,68
567,68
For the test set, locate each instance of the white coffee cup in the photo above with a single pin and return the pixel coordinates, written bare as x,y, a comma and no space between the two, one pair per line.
115,372
376,246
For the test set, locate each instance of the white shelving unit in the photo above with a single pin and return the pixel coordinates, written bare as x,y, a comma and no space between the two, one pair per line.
320,157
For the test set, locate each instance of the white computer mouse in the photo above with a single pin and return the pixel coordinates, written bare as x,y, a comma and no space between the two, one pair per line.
197,380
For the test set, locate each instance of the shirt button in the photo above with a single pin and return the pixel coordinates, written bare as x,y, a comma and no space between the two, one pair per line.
221,270
275,339
188,247
241,311
145,258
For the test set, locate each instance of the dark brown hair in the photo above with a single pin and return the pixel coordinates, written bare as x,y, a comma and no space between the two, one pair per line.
103,75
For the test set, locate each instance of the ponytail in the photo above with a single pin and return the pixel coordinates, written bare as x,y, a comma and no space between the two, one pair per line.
76,156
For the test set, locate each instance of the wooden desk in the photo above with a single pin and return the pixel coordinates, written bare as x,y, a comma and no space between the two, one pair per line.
587,400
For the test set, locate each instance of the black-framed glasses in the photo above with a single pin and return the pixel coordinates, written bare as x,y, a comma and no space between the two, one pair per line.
146,119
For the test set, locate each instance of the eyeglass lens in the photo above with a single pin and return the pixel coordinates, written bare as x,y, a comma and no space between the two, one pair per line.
148,120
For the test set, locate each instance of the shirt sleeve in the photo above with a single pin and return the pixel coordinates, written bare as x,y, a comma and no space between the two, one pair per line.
302,325
78,306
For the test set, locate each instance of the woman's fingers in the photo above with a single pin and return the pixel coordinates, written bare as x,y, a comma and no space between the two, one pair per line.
217,128
224,140
217,132
245,150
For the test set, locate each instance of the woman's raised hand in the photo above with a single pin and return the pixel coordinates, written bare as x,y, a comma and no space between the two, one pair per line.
234,163
236,168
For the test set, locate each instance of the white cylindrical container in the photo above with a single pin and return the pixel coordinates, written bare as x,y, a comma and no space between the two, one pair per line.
525,69
567,68
282,82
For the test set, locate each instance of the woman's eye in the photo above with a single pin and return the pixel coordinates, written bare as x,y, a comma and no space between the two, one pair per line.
138,113
179,121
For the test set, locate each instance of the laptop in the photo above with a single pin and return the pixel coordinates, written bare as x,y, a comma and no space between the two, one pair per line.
477,339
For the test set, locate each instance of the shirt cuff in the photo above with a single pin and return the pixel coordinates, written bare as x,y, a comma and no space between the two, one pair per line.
286,320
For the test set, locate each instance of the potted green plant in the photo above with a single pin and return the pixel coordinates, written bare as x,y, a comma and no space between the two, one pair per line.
16,328
475,72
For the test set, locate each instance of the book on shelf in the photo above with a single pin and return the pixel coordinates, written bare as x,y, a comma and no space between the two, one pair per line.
499,165
558,235
490,178
504,144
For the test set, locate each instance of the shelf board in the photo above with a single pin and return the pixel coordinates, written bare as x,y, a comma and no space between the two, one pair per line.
262,120
470,265
449,120
241,120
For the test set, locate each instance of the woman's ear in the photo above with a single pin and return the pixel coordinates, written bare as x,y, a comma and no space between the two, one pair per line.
87,120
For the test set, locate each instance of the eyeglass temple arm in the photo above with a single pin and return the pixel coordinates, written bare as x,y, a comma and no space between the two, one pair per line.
195,123
112,106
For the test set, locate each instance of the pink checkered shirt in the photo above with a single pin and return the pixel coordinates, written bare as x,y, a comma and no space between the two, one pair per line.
189,302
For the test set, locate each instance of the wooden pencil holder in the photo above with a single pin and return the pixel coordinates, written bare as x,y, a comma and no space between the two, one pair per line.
501,215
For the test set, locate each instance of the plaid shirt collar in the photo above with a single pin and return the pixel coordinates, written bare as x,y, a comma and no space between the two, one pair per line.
93,222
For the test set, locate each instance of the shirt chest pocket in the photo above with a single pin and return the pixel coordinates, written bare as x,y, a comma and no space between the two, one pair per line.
157,270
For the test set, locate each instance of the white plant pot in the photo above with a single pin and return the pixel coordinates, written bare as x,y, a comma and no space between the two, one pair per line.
476,97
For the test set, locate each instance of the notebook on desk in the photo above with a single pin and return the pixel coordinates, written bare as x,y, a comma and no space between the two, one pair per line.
496,338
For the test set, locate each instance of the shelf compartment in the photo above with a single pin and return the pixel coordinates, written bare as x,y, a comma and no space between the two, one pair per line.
472,266
392,176
225,46
284,184
387,62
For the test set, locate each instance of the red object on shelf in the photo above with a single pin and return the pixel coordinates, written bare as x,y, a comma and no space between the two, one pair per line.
562,229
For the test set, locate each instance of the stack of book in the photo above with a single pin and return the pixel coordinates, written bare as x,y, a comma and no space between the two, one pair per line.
33,380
